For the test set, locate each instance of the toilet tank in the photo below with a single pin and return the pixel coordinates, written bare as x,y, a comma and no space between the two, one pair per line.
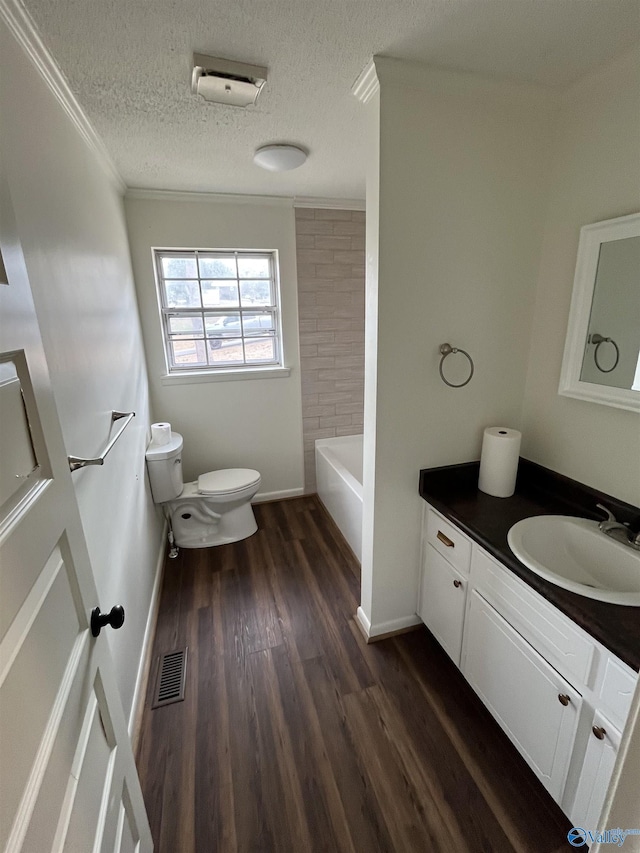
164,464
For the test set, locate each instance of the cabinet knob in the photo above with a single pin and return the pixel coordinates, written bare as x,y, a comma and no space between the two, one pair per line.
457,584
563,698
599,732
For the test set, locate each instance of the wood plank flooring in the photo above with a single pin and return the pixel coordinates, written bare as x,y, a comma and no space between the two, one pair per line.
297,736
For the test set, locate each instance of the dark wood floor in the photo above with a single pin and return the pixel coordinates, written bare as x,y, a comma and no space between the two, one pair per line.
297,736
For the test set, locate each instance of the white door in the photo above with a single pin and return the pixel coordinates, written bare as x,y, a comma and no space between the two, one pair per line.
68,780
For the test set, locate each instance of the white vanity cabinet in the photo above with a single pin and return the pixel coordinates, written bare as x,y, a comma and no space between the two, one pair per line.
561,697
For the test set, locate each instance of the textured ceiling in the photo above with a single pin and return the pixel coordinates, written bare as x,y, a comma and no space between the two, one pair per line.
129,64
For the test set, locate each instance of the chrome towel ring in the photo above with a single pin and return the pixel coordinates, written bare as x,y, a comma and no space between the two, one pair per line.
598,340
447,349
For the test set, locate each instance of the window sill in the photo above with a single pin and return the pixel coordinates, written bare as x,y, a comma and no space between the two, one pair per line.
188,378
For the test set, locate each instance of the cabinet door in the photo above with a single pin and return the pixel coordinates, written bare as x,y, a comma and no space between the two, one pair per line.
442,600
535,706
595,775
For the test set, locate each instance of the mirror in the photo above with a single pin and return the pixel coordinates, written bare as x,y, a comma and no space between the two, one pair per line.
602,351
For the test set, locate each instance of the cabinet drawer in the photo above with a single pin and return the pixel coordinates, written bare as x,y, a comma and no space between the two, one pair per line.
555,636
617,689
537,708
442,598
449,541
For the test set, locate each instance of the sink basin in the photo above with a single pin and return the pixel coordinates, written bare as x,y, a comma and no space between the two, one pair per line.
574,554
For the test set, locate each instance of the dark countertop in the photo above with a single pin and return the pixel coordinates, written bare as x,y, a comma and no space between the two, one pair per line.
453,491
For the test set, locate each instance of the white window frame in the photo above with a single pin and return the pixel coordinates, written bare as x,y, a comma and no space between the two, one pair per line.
237,370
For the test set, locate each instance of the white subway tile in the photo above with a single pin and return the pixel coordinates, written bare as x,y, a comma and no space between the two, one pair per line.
334,325
312,226
334,271
350,257
354,429
355,229
317,363
321,256
335,215
335,421
340,243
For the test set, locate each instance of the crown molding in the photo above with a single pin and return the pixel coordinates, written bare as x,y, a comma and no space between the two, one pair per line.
26,34
217,198
367,83
237,198
330,203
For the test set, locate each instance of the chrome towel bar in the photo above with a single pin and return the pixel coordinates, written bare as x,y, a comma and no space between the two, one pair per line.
76,462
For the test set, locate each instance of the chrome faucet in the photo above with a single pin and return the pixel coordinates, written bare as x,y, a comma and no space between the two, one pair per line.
617,530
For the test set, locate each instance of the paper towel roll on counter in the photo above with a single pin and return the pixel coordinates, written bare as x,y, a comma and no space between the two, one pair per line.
499,461
160,433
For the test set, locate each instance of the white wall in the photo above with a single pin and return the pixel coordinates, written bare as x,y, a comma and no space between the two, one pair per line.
595,176
462,170
249,423
71,224
372,259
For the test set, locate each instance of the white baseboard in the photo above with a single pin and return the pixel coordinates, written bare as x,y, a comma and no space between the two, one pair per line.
138,693
383,629
364,623
262,497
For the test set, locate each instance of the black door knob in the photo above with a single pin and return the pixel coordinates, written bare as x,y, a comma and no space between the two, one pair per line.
115,618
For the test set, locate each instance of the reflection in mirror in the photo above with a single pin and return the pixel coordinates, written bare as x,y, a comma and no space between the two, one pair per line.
612,349
601,360
17,456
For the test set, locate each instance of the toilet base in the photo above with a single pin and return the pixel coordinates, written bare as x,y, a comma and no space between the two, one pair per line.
231,526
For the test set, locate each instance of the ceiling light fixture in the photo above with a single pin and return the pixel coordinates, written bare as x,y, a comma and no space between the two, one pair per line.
279,158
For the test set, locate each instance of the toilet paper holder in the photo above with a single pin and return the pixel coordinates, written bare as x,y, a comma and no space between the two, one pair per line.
447,349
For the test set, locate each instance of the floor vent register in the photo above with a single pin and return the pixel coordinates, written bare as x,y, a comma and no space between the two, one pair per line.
171,678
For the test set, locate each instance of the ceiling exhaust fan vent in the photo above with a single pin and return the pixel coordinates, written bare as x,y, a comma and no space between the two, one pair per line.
221,81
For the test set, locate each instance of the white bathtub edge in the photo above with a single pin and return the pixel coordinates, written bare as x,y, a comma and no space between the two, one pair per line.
323,447
340,492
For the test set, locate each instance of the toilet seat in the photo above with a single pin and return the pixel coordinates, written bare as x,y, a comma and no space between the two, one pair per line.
227,481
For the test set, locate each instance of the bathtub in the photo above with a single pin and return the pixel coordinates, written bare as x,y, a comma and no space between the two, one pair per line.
339,483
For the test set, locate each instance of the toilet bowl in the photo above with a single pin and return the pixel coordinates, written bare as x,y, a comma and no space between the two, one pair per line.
213,510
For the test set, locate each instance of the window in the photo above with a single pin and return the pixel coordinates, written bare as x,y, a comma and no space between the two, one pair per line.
219,309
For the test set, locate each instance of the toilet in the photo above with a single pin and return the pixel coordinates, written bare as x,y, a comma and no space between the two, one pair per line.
212,510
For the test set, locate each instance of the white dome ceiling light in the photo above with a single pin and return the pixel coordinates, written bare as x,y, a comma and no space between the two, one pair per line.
279,158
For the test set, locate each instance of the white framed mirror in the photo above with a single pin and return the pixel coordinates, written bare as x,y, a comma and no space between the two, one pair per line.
602,351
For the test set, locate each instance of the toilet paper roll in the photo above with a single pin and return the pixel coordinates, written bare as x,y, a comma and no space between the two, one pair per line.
160,434
499,461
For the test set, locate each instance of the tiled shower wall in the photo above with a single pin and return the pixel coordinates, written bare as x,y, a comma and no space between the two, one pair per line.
330,256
